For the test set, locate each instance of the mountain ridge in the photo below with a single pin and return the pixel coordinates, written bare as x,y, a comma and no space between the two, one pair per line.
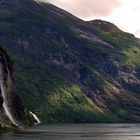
71,69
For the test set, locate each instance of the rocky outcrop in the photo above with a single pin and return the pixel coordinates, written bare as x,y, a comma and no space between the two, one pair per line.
55,50
12,112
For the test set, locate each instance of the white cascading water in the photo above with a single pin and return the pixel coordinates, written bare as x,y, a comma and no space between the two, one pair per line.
4,96
35,117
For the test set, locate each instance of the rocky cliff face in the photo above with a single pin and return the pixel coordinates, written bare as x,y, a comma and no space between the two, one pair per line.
12,113
71,70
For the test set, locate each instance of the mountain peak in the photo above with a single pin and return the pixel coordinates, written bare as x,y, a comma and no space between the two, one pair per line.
104,25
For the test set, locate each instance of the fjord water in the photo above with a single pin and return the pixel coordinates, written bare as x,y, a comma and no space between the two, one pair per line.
77,132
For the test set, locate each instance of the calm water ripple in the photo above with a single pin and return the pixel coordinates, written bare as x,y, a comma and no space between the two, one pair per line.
77,132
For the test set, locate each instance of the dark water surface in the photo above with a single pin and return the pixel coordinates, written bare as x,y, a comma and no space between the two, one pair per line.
77,132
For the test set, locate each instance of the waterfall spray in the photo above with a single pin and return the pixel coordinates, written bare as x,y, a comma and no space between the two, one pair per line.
35,117
4,95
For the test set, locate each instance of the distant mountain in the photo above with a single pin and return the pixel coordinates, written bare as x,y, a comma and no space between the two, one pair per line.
70,70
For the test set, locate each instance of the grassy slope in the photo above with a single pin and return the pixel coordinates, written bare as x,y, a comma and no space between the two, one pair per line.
56,100
128,47
53,99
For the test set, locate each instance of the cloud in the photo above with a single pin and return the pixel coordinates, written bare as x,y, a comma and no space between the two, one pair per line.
123,13
87,8
137,33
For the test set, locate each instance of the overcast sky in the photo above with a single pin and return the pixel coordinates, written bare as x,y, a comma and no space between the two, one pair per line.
124,13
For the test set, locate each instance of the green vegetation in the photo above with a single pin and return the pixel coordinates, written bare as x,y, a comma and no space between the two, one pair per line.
133,56
125,115
68,103
64,77
61,101
127,48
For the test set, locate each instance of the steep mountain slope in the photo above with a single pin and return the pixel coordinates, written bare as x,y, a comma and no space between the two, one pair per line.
69,70
12,113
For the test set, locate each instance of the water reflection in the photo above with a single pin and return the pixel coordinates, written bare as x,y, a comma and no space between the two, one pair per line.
77,132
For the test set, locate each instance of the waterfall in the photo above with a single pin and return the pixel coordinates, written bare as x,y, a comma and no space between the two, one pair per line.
35,117
4,95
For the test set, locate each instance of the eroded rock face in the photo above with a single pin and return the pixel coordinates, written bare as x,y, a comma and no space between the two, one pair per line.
11,109
51,46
